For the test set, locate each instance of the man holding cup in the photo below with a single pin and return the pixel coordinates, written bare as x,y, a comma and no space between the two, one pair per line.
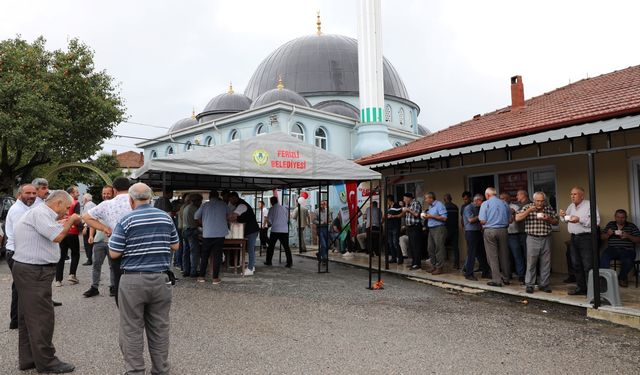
538,218
578,219
622,237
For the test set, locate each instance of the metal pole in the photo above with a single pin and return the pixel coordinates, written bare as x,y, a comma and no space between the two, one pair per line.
380,233
594,230
300,238
386,224
369,231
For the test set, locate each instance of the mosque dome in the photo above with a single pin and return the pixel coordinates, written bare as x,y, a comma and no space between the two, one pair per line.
280,94
224,104
183,124
317,64
339,107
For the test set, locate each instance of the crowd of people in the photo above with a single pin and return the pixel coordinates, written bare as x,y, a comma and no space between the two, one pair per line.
502,231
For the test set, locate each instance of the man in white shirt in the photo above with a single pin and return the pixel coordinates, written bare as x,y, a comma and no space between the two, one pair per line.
578,219
26,197
42,190
278,217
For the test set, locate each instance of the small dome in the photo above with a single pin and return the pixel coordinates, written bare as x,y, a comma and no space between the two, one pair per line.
339,107
280,94
224,104
423,130
183,124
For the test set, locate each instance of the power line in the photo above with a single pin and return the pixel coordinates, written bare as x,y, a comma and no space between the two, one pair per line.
151,139
143,124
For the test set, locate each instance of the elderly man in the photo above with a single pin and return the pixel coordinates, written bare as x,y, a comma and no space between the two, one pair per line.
144,240
243,213
494,217
278,217
26,197
70,242
538,219
473,236
578,219
436,217
100,244
87,204
35,259
517,235
301,213
622,237
104,218
191,235
412,211
213,217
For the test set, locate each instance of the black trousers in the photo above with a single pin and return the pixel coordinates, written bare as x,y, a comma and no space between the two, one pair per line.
88,247
211,246
70,241
582,258
36,318
284,241
415,244
264,237
13,314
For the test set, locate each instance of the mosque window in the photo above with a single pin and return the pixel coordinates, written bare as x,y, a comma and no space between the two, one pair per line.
153,154
234,135
297,131
209,141
397,144
401,116
387,113
321,138
413,122
261,129
188,146
170,150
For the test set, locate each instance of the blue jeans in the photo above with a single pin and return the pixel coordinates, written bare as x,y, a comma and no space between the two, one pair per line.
323,239
625,256
251,249
393,243
518,246
475,249
191,252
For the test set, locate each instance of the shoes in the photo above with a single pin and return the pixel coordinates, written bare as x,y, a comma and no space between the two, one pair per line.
545,289
521,280
28,366
485,276
529,290
248,272
200,279
347,254
393,260
268,264
62,368
13,325
91,292
414,267
57,283
56,304
569,280
577,292
471,277
216,281
288,265
437,271
491,283
87,263
506,282
623,283
73,279
112,291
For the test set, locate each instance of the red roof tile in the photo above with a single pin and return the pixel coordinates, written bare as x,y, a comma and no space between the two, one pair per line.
130,159
610,95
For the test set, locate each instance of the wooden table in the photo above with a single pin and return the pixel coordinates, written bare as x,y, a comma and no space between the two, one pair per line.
237,246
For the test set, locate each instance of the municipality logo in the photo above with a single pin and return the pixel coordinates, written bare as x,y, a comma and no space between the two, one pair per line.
260,157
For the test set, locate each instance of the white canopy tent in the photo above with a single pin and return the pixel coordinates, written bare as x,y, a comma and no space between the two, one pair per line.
259,163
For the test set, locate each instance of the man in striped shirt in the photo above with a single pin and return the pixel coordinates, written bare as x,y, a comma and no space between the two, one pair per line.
144,239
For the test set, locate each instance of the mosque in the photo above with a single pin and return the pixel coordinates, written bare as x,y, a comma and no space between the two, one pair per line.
308,88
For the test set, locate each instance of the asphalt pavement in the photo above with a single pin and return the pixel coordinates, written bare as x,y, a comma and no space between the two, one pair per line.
296,321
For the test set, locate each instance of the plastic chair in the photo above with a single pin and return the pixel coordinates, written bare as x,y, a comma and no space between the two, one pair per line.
608,287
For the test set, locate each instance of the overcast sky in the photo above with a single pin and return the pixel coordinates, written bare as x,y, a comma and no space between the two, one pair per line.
455,57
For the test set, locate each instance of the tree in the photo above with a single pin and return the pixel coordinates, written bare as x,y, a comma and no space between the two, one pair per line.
54,107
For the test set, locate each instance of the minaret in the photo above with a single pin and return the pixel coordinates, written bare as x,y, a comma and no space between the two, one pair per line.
373,135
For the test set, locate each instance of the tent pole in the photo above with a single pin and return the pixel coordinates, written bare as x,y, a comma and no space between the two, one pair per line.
369,231
594,230
300,237
380,245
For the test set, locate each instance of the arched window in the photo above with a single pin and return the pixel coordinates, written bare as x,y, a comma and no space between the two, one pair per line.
387,113
209,141
261,129
153,154
413,122
401,116
234,135
297,131
170,150
321,138
188,146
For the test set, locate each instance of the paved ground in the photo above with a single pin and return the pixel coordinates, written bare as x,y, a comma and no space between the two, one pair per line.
297,321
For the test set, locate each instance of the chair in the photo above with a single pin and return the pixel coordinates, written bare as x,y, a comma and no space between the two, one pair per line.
608,287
